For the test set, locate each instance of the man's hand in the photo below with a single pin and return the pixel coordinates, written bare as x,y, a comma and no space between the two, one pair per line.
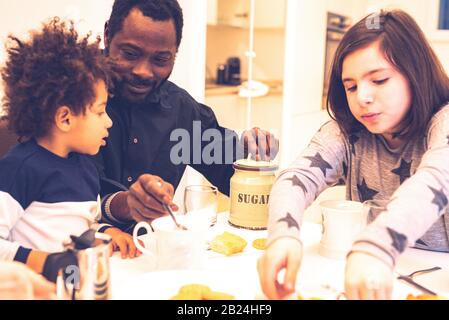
17,281
367,278
261,144
284,253
123,242
146,195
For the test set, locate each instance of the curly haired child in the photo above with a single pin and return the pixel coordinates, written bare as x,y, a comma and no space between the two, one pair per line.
55,99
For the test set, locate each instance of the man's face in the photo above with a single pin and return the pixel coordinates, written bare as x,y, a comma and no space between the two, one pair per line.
144,53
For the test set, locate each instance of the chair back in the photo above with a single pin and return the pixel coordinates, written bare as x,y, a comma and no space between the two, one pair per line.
7,138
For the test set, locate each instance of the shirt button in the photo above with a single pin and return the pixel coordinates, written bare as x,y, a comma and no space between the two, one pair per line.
130,179
135,140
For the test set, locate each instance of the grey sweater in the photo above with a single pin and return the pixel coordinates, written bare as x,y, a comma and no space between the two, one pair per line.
414,176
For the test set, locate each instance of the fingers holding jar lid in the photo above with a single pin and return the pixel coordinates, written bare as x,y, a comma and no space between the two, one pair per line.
261,144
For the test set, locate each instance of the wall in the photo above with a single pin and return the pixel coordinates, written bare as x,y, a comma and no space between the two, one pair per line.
189,71
20,16
303,77
425,14
351,8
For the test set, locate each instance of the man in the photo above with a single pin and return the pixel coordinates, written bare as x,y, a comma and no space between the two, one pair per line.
143,157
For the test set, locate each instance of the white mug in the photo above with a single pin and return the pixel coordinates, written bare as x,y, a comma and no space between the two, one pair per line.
343,220
168,247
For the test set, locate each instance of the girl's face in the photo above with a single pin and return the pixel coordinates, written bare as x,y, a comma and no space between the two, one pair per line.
378,95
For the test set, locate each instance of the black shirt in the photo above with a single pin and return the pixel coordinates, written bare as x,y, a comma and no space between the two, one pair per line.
140,141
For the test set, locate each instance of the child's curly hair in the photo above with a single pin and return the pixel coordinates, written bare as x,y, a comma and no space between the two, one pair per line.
54,68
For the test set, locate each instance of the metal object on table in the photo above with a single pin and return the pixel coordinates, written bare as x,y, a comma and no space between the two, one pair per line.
409,280
178,225
89,279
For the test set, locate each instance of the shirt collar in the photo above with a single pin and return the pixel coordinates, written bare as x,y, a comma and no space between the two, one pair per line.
160,95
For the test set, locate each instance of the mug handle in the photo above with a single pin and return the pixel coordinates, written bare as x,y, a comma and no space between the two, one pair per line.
147,227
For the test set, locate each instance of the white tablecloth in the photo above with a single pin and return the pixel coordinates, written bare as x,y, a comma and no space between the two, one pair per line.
237,274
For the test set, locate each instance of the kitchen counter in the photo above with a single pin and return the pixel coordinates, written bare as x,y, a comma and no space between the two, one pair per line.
213,89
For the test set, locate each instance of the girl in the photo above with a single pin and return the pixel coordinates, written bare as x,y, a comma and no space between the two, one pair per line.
387,98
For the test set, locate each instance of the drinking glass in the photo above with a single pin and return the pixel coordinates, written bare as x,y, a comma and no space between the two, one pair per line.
201,200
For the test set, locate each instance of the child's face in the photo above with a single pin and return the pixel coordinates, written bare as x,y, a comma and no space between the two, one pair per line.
378,95
91,129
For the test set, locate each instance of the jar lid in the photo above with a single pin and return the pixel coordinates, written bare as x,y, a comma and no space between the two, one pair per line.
253,165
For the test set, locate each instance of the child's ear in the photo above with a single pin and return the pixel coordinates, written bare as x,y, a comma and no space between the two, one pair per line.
106,35
64,118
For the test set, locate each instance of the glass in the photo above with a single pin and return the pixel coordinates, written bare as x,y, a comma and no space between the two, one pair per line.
374,207
201,200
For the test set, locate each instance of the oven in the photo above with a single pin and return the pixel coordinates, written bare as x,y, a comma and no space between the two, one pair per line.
337,25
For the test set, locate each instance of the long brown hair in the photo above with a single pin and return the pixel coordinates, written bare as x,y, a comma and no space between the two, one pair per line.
406,48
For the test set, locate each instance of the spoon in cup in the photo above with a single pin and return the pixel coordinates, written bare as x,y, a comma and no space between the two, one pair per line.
178,225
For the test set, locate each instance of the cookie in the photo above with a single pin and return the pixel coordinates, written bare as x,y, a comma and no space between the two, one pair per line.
259,244
215,295
228,244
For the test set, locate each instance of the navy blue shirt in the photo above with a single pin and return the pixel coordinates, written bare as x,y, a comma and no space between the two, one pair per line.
139,141
29,173
44,199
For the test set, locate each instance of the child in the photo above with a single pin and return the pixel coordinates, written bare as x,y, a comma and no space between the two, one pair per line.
55,99
388,140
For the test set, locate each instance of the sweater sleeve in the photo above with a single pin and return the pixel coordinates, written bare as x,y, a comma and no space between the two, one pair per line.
417,203
320,165
14,198
10,213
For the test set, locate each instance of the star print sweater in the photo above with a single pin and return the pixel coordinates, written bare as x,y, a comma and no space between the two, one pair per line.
414,177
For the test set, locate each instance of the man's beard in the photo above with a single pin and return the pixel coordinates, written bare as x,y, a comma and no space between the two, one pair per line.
122,93
119,81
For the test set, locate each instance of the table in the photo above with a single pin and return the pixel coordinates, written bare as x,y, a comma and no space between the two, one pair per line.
319,276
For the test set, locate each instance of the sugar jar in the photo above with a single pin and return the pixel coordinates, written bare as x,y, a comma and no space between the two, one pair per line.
250,191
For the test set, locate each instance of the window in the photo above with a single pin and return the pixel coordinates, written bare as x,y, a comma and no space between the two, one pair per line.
444,15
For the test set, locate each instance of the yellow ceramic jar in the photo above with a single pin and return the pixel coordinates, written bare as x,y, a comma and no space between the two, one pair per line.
250,191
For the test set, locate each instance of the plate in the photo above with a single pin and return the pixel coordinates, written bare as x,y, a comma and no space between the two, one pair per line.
163,285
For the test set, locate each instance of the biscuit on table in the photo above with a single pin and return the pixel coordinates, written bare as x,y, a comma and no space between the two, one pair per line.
228,243
424,297
194,289
260,244
215,295
200,292
187,296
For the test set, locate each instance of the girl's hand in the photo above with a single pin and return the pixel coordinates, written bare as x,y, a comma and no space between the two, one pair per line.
123,242
284,253
367,278
19,282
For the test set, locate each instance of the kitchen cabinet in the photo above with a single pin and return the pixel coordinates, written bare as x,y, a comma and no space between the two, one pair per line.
236,13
